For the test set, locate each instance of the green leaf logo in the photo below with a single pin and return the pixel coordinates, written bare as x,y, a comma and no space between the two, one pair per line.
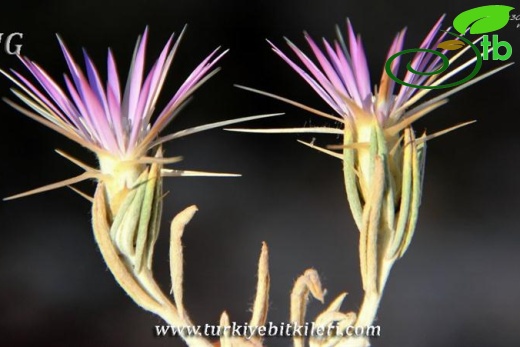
482,20
451,45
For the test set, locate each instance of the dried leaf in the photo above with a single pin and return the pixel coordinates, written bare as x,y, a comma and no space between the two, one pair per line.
176,255
261,304
307,283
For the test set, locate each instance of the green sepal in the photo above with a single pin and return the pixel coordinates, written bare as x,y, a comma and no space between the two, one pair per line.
144,222
127,233
135,228
389,186
419,156
350,177
406,195
155,223
118,219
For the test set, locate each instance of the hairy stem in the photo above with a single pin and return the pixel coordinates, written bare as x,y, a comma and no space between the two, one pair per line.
141,287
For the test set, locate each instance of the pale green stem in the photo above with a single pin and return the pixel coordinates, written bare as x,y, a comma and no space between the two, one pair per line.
367,313
169,312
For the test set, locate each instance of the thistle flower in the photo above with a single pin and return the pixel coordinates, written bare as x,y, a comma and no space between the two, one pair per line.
118,126
382,159
382,117
121,129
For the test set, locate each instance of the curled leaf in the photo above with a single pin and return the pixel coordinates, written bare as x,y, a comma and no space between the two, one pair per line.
308,283
483,19
451,45
176,255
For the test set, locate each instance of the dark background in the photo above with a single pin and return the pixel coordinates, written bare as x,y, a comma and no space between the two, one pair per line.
459,283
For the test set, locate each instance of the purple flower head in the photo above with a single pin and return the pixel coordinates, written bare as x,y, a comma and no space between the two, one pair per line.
102,116
339,74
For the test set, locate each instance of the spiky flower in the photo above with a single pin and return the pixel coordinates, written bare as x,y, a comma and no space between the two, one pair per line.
342,79
119,126
382,159
100,116
382,117
122,129
116,125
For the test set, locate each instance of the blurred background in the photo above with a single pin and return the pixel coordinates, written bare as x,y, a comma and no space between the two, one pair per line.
458,285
